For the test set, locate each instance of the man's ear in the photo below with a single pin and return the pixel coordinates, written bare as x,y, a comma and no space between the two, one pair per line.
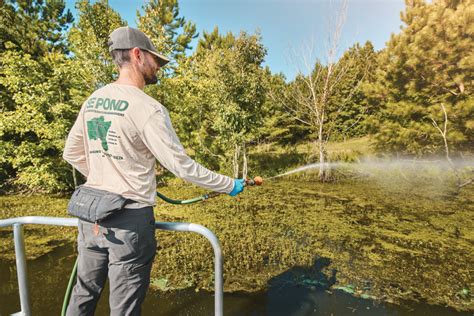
137,54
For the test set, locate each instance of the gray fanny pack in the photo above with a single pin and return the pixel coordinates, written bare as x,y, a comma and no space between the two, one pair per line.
94,205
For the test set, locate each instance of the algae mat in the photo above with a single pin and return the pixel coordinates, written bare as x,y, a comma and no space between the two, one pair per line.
376,240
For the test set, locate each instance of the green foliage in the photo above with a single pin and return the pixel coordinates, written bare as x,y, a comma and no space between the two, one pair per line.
43,87
33,27
431,62
239,74
88,39
216,98
170,33
36,83
33,130
329,100
348,110
279,123
221,99
214,40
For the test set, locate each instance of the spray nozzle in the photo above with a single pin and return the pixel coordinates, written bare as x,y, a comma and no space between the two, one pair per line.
254,181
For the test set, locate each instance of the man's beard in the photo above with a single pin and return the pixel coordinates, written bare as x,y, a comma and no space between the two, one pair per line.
148,75
150,78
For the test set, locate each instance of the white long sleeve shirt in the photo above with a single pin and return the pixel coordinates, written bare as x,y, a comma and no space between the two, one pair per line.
118,135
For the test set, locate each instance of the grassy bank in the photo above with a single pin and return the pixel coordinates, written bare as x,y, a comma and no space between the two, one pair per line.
270,159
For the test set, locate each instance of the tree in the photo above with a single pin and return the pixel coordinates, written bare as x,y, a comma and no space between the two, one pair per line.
348,109
240,77
88,40
33,131
460,181
279,125
36,89
431,62
190,96
313,98
170,33
34,27
214,40
219,93
89,44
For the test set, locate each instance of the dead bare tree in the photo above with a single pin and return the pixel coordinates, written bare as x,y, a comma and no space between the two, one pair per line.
460,182
309,99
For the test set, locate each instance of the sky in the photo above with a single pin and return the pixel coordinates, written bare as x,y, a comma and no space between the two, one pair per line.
290,29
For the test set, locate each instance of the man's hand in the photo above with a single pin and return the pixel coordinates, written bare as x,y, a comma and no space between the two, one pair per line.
238,187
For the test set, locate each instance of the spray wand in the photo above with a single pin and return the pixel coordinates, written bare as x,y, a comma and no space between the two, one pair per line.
248,182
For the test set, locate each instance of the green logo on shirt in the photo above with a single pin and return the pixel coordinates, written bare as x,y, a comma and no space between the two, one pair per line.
97,128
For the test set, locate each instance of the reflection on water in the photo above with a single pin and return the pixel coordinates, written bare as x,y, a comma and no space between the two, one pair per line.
49,275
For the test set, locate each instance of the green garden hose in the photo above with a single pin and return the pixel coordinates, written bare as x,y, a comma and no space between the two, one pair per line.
69,289
190,201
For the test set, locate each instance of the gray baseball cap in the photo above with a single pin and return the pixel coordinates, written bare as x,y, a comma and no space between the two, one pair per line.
126,37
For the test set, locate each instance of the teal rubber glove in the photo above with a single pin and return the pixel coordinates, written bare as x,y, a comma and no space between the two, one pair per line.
238,187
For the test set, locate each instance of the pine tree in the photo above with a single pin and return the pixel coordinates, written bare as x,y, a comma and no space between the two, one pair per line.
429,64
170,33
34,27
349,120
214,40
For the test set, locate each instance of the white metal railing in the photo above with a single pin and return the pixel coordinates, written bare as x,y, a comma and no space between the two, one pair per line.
20,256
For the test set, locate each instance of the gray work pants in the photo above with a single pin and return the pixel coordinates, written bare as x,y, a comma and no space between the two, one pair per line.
123,250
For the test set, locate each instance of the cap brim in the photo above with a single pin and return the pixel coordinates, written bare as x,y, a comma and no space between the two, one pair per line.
162,60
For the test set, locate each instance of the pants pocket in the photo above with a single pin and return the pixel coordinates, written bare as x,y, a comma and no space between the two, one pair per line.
86,236
123,241
147,234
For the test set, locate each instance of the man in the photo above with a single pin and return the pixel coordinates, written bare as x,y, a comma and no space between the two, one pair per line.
114,143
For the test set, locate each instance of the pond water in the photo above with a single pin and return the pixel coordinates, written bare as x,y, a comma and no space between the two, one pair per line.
48,276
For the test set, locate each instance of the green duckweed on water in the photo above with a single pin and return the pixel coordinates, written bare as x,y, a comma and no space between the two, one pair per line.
390,239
